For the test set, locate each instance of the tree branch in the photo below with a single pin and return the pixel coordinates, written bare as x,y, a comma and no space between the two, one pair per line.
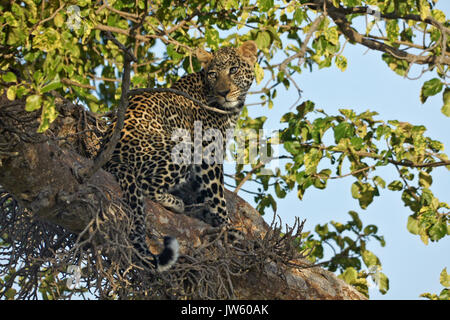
304,46
338,15
41,179
104,156
365,154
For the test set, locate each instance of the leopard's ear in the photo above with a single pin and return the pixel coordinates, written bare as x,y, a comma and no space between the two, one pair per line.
248,50
203,56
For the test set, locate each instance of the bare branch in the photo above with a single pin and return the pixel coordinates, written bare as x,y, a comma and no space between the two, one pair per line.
301,53
248,176
106,153
77,84
339,17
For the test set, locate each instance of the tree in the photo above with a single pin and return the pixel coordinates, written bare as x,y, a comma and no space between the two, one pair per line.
56,53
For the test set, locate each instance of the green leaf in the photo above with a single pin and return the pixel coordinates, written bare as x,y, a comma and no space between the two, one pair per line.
292,146
212,38
438,15
430,88
444,278
49,114
438,231
59,20
299,15
265,5
425,179
379,182
429,296
444,295
10,293
446,99
172,52
370,229
55,84
11,93
83,3
343,130
352,3
424,9
322,230
356,220
9,18
279,191
349,275
9,77
383,283
395,185
364,192
332,35
46,39
398,66
341,63
263,39
413,225
312,159
370,259
424,237
179,12
357,142
33,102
259,73
339,226
392,29
355,190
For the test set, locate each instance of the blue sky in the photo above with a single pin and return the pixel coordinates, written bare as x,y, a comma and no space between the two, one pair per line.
412,267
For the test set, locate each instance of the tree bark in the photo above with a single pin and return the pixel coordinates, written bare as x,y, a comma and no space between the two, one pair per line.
39,171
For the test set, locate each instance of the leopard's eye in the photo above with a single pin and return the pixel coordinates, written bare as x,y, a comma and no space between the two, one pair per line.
233,70
212,74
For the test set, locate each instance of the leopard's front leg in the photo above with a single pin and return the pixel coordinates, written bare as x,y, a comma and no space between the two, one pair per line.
208,186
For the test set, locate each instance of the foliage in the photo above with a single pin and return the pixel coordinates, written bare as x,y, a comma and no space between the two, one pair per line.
51,48
444,280
350,239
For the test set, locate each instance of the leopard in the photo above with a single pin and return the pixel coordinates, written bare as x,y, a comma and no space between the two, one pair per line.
143,160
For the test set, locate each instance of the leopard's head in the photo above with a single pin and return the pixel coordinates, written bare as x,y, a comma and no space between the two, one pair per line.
229,73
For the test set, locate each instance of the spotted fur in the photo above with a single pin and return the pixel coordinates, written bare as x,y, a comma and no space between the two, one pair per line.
142,160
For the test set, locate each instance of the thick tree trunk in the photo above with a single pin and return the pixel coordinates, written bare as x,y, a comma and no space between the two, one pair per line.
39,170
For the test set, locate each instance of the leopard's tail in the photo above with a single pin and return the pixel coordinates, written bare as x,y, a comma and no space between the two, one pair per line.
167,258
161,262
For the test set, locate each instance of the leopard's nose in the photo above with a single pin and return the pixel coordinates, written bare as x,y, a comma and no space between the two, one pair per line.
223,93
